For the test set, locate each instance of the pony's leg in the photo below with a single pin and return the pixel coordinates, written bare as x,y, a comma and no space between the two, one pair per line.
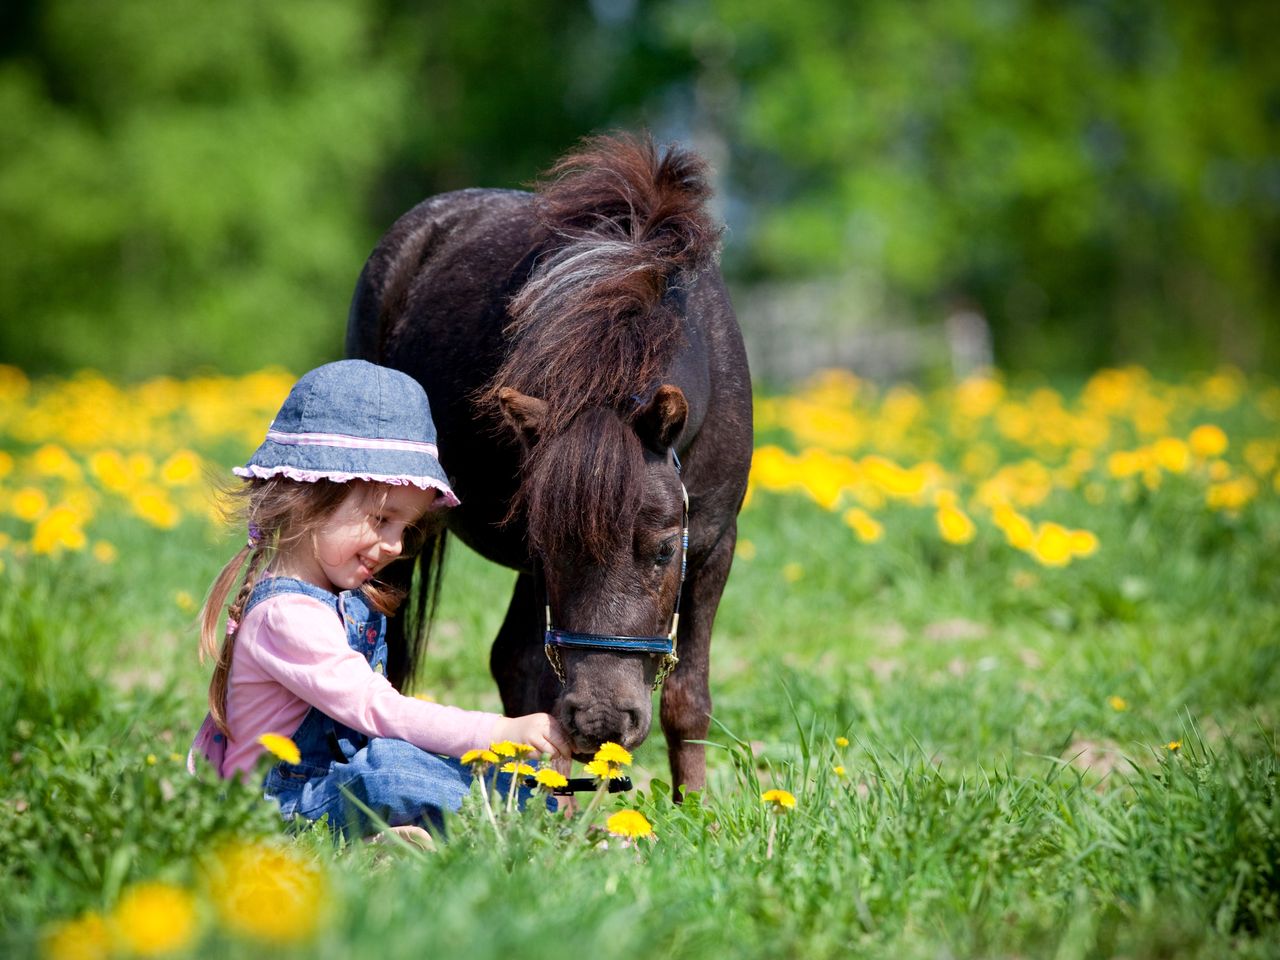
686,694
517,661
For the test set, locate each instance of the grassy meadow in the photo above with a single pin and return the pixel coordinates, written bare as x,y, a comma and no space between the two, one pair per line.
1014,650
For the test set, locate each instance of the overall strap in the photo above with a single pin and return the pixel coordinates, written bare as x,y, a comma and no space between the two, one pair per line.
274,586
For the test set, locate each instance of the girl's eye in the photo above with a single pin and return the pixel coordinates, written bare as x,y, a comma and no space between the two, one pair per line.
666,550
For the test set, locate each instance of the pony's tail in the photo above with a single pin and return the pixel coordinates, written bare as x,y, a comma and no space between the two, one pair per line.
222,646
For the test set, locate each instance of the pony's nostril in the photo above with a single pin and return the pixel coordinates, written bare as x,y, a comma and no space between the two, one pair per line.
632,721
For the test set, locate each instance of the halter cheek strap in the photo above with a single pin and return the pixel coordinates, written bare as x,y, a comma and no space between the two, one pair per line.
665,647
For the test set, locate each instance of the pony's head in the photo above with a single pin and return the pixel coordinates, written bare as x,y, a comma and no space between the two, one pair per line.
606,511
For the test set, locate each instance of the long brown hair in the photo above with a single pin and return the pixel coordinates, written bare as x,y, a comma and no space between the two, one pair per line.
278,512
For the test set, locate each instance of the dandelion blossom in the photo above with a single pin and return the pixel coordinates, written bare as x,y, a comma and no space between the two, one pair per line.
611,752
1052,546
1207,441
780,799
1173,745
842,741
154,918
550,779
954,525
266,892
281,747
481,757
629,823
515,766
85,938
1118,704
867,527
603,770
503,748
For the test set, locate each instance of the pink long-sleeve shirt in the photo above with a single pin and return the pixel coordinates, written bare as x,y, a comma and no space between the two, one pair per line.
291,654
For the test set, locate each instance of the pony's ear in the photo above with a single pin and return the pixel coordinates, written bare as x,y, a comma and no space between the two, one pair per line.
659,423
523,413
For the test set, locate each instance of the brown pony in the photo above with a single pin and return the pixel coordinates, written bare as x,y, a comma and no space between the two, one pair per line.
583,361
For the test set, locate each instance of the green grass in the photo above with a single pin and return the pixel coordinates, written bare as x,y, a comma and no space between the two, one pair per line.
993,802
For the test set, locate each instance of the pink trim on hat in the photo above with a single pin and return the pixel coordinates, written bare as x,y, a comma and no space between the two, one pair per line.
311,476
349,442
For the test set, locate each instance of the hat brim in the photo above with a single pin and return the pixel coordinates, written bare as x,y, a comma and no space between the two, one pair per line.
310,464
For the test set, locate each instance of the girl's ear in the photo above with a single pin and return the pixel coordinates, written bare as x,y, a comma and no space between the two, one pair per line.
524,414
658,424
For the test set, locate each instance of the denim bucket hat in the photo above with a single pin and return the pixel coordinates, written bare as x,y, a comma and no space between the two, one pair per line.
353,420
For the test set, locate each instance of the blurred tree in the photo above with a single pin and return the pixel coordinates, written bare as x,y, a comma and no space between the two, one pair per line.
1101,178
186,183
189,183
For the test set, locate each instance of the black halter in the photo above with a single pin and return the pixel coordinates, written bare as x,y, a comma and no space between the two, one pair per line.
665,647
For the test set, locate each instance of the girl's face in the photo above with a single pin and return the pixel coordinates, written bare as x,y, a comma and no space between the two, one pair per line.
361,537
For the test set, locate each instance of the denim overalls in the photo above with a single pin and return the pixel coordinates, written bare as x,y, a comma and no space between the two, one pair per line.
399,782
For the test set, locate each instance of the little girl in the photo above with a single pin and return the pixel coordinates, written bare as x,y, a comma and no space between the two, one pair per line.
343,479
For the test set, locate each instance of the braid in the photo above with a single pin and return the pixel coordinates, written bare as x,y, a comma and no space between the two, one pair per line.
257,554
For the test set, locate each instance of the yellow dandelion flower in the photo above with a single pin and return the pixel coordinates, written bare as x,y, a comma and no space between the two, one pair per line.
515,766
281,747
154,506
503,748
838,770
611,752
1208,440
181,469
85,938
523,749
105,552
59,529
481,757
1083,543
52,460
868,529
550,779
792,572
266,892
29,504
151,760
185,601
1232,495
954,525
745,549
1119,704
1173,745
1172,454
111,470
1052,546
1017,529
603,770
6,463
629,823
781,800
154,918
842,741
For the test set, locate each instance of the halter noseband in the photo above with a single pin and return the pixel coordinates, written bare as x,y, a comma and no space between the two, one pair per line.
665,647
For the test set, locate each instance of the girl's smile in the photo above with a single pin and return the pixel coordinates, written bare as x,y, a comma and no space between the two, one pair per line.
359,539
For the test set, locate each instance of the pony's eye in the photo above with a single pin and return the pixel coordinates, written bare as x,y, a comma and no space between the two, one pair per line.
666,550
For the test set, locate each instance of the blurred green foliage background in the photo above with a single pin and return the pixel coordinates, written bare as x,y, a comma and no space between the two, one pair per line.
186,184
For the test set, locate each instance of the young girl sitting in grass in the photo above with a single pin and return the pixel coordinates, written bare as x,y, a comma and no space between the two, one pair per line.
344,478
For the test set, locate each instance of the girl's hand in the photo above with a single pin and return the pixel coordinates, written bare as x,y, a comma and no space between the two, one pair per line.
540,730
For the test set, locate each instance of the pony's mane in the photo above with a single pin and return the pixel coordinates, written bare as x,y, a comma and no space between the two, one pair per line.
624,222
593,330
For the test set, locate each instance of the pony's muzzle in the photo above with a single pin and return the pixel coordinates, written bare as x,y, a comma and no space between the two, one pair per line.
593,723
